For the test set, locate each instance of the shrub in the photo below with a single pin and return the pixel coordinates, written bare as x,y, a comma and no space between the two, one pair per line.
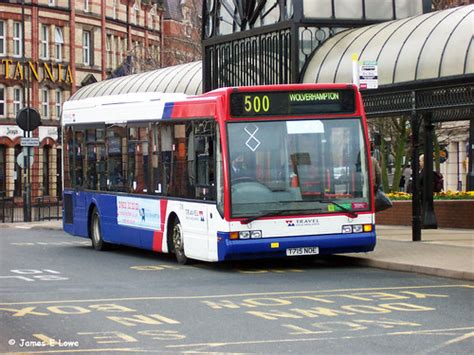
444,195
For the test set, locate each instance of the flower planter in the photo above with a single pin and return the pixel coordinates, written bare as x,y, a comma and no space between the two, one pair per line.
449,214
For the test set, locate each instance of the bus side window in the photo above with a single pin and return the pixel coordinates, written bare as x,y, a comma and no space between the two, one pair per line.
204,156
117,151
68,158
79,158
137,161
165,158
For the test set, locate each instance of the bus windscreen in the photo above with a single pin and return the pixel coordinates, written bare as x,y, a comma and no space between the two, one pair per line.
303,102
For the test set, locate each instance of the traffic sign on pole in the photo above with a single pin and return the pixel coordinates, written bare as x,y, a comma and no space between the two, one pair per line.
21,160
28,119
29,142
368,75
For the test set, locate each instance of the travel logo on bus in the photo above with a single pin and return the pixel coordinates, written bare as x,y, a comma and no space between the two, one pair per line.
302,222
194,215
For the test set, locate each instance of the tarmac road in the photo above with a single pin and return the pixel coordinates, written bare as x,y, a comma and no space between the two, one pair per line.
59,295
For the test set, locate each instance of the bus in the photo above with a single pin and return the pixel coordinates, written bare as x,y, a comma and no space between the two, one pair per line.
235,173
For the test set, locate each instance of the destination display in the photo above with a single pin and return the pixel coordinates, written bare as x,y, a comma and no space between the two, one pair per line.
305,102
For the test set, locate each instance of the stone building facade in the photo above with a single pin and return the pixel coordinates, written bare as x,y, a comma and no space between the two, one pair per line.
68,44
182,29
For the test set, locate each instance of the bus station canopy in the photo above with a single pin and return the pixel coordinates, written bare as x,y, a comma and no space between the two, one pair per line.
429,46
184,78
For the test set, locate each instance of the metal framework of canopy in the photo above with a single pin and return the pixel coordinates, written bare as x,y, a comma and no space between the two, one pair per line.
429,46
426,64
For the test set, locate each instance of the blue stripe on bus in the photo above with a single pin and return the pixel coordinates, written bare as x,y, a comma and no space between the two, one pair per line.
260,248
168,110
111,231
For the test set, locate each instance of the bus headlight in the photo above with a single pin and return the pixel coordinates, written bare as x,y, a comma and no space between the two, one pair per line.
347,229
256,234
356,228
244,235
249,234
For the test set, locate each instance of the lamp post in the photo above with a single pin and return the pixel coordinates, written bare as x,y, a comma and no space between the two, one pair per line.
26,133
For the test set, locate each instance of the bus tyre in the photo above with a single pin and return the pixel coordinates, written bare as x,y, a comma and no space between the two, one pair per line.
178,243
96,233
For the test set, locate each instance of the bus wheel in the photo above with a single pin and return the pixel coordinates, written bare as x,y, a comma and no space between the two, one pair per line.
178,244
96,234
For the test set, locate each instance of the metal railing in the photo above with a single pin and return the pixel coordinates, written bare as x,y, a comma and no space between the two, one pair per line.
48,208
44,208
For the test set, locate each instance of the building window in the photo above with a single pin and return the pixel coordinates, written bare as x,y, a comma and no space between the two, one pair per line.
59,43
45,103
108,48
2,101
86,47
51,2
17,40
17,100
59,102
2,38
86,5
118,50
154,19
114,9
44,42
135,14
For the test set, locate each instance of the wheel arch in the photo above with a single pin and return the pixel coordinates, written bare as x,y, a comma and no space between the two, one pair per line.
92,207
172,217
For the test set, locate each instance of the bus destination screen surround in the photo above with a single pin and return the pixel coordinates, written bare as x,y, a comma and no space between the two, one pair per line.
279,103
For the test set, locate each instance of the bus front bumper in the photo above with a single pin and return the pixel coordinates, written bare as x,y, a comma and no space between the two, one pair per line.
277,247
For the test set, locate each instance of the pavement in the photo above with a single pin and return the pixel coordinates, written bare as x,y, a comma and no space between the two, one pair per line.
441,252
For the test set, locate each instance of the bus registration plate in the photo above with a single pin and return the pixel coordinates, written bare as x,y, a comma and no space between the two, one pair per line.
302,251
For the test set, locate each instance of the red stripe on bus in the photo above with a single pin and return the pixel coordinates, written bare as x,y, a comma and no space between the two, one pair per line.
158,241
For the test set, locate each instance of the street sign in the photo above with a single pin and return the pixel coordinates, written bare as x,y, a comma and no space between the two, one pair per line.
28,119
29,141
21,160
368,75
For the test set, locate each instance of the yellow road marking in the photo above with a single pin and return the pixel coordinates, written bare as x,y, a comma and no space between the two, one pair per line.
164,298
256,342
459,339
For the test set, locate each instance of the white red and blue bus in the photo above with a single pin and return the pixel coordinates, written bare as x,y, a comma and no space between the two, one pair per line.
236,173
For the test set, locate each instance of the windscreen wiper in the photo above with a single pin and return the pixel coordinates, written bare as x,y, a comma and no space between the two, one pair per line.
265,214
273,213
344,209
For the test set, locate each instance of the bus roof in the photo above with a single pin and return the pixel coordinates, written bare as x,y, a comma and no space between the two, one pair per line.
150,106
120,108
